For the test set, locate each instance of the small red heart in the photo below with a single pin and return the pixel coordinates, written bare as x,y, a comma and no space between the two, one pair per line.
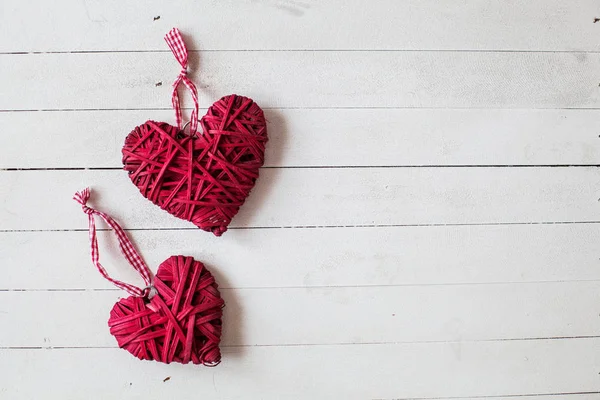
182,321
206,178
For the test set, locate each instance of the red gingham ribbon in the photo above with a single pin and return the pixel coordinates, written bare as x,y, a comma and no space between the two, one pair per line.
175,42
125,245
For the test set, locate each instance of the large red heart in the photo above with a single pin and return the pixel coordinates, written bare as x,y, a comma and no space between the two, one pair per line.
206,178
182,321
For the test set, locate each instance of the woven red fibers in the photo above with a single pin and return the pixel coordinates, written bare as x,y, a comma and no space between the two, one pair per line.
181,323
205,178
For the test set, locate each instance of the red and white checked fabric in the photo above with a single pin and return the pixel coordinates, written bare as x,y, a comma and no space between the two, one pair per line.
125,245
175,42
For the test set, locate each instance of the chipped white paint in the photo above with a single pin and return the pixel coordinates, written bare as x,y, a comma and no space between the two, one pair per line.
427,226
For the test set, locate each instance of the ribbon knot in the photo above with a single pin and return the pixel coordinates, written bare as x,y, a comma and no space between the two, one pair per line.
177,46
82,198
125,245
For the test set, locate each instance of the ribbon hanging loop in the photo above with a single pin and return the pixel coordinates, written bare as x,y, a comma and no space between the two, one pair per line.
177,46
127,248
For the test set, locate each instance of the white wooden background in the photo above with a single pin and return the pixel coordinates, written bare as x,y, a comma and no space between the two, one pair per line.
426,225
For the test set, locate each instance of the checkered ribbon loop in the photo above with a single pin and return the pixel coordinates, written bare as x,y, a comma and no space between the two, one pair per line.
125,245
175,42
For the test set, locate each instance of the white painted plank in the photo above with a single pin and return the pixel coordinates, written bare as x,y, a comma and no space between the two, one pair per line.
334,137
591,395
322,197
305,79
347,315
272,24
449,300
399,371
432,255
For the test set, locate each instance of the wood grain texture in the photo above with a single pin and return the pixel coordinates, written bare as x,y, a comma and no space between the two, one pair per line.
325,79
323,197
426,226
279,258
92,25
292,316
441,370
331,137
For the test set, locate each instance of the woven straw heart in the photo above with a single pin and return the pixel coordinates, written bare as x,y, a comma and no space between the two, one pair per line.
181,323
206,178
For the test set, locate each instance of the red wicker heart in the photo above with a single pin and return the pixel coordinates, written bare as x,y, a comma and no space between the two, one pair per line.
206,178
181,323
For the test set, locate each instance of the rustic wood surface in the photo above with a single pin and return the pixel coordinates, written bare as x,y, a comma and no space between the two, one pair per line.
426,225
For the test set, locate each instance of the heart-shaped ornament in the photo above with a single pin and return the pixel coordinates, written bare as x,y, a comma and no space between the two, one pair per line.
202,178
182,321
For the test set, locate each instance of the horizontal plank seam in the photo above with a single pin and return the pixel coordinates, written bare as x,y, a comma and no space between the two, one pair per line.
321,226
365,286
15,169
299,50
494,396
16,110
233,346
